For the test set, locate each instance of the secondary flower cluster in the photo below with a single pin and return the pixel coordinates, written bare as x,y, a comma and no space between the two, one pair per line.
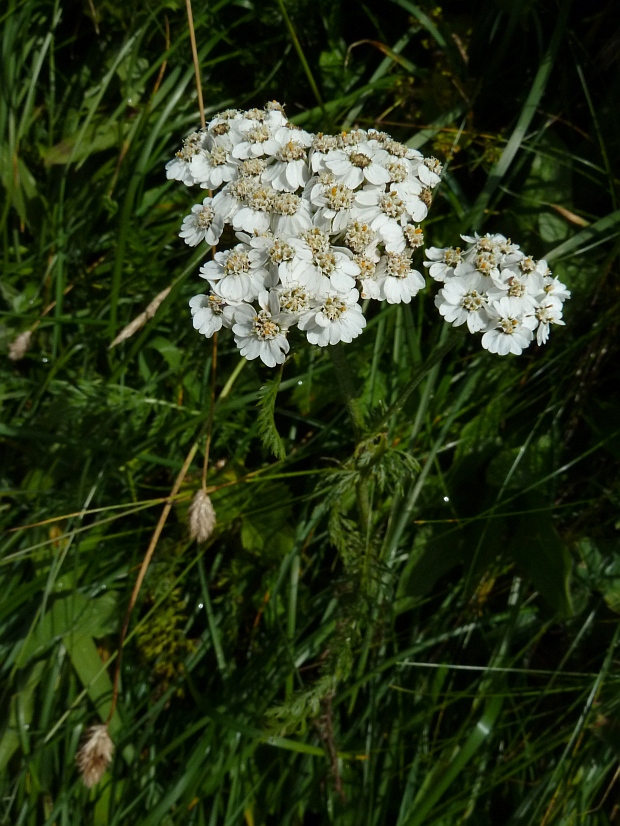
321,221
497,290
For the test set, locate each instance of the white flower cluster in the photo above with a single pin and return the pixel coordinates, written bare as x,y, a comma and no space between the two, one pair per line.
321,221
497,290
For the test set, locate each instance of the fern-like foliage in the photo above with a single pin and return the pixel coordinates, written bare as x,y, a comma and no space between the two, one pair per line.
294,715
266,424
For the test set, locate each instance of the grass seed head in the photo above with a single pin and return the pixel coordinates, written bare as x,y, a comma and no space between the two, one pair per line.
20,346
201,517
94,755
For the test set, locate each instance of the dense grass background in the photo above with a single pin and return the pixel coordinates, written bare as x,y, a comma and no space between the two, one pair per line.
455,662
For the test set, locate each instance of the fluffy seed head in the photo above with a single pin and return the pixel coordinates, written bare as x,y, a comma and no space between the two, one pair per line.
20,345
94,755
201,517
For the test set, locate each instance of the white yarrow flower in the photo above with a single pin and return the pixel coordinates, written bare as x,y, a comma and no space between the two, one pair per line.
547,313
459,302
443,262
496,289
210,313
335,204
229,274
325,221
429,172
204,224
212,168
262,334
397,281
338,318
511,331
362,163
179,168
289,171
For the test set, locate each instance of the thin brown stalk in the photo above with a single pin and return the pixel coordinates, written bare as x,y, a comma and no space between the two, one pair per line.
143,569
94,15
64,516
162,68
192,37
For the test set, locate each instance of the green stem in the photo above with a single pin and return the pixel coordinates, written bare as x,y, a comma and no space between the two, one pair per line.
213,629
447,341
301,55
343,376
291,619
354,408
363,506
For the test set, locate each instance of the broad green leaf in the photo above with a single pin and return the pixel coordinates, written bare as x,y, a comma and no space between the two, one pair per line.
542,556
171,353
268,531
98,137
93,675
518,467
74,613
431,556
20,712
552,227
446,772
481,433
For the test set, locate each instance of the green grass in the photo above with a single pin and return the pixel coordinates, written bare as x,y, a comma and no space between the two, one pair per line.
451,656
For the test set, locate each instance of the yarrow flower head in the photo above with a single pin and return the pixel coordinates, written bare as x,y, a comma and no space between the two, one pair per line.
497,290
326,222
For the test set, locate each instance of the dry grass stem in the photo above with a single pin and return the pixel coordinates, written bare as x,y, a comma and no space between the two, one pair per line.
192,37
164,65
143,569
205,464
140,320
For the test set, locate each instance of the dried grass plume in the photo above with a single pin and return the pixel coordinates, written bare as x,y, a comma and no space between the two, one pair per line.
20,346
94,755
201,517
140,320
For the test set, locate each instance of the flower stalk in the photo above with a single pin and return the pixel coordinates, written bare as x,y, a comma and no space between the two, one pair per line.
356,414
343,377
